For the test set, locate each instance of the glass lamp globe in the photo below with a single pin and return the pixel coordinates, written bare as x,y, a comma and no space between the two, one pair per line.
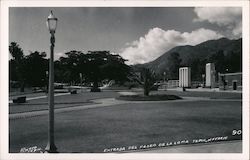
51,23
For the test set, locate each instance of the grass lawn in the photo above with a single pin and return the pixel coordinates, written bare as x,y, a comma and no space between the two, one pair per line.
94,130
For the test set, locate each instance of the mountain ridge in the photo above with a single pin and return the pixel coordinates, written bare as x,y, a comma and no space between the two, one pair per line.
200,52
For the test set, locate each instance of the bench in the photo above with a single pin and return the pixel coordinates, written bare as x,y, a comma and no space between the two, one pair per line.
19,100
73,92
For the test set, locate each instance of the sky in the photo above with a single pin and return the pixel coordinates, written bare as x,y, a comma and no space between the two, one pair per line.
138,34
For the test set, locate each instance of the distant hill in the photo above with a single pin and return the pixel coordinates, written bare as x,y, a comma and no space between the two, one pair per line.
201,54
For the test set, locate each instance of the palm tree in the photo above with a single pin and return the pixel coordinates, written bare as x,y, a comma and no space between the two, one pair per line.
148,78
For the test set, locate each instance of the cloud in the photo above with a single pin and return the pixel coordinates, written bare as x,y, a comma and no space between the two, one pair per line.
157,41
229,17
58,55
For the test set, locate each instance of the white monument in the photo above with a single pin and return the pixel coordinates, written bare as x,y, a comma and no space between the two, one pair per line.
185,77
210,75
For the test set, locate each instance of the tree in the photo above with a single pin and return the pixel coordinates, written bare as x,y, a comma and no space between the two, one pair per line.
16,52
148,79
234,61
218,59
12,71
174,62
35,69
94,66
27,70
198,65
17,66
67,68
94,61
115,68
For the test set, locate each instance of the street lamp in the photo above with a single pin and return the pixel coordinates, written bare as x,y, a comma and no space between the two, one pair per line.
51,24
164,81
203,79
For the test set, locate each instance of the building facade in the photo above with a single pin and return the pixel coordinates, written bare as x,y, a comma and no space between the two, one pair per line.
210,75
185,77
230,81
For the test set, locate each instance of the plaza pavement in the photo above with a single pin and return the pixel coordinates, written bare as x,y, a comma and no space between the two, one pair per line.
205,90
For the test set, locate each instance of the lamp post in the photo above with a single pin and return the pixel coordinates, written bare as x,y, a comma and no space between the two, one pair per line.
164,77
51,24
47,81
203,79
164,81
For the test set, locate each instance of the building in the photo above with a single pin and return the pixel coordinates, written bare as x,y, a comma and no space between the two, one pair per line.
210,75
185,77
230,81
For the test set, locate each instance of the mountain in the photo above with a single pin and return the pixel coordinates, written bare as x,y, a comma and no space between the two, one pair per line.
201,54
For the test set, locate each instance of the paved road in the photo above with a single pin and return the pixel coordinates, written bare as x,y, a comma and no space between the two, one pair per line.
61,101
36,96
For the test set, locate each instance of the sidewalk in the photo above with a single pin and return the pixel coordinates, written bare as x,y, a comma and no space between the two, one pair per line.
37,96
216,147
204,90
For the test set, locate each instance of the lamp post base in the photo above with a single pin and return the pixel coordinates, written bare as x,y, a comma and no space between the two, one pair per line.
51,148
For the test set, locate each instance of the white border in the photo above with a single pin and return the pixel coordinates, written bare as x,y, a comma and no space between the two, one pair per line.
4,78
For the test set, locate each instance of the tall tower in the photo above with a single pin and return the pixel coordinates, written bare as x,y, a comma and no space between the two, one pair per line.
210,75
185,77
